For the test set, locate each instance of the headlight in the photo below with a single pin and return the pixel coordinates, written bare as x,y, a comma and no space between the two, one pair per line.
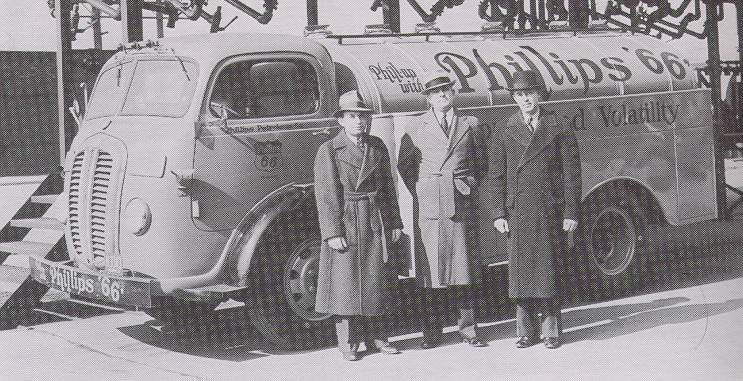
137,216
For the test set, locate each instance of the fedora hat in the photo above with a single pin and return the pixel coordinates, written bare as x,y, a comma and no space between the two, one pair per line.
526,80
435,79
351,101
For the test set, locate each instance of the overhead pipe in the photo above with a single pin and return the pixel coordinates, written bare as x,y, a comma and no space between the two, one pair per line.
192,13
112,12
268,5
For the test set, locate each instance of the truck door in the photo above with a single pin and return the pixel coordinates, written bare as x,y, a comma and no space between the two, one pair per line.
262,121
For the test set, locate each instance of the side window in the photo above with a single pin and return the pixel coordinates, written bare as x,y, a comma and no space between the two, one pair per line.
264,89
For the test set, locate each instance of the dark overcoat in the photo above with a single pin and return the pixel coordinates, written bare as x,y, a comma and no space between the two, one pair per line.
536,184
440,172
355,198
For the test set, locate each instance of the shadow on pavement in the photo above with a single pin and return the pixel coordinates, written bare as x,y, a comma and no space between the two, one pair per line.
622,324
224,334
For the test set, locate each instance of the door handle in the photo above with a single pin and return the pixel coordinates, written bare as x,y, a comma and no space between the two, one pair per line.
325,131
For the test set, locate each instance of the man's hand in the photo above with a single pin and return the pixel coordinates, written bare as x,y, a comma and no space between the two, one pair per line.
501,225
569,225
338,243
396,233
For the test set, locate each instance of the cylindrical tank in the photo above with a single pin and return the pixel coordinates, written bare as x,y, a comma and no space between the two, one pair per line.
573,66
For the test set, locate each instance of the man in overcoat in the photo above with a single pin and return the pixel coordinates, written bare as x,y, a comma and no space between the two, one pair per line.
358,212
537,186
436,163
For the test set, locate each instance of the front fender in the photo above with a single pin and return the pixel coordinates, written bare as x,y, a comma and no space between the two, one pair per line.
234,261
249,231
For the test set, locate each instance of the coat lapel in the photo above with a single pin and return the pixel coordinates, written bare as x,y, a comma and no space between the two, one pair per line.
369,163
433,128
459,129
346,151
518,131
542,137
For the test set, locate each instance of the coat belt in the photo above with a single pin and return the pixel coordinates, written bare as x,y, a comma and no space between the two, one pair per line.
357,197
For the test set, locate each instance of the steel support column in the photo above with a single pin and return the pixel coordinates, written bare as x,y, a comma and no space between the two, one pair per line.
97,29
159,22
578,12
62,9
713,63
391,15
131,20
312,18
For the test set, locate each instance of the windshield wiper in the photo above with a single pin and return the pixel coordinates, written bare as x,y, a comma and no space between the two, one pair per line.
182,65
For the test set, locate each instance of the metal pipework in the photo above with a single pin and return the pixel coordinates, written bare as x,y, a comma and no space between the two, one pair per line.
268,5
110,11
193,12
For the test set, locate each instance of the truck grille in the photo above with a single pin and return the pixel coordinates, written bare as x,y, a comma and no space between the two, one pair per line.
90,190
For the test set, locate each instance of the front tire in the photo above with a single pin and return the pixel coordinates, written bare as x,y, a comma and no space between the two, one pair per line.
283,284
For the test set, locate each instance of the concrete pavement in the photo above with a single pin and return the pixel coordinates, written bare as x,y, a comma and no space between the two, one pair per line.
692,332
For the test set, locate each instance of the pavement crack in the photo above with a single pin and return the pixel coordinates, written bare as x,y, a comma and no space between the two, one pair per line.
109,355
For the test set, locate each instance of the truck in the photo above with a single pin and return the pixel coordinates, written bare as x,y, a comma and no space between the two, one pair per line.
190,183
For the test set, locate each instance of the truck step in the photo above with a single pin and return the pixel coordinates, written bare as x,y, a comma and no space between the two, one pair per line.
26,247
44,198
38,223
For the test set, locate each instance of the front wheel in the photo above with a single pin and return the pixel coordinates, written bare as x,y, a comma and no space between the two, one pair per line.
283,285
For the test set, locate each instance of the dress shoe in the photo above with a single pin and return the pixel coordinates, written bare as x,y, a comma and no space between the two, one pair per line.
525,342
387,348
474,342
552,342
428,344
350,356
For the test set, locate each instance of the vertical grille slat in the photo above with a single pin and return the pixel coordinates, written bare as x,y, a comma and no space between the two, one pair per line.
73,200
88,198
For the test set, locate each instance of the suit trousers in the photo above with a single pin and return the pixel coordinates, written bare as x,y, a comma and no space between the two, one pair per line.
352,330
434,309
528,320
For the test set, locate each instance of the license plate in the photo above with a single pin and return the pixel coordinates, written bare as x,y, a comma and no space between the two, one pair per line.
133,291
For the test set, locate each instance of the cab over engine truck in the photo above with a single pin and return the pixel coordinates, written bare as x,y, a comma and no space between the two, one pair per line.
190,181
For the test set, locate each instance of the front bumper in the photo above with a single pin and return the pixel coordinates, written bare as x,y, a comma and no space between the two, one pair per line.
124,290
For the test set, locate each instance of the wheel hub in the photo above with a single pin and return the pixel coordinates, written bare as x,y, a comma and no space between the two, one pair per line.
300,280
613,240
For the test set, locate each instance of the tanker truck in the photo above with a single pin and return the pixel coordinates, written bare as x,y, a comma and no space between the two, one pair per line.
190,180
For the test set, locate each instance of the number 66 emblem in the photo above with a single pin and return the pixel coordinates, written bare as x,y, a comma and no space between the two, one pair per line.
268,155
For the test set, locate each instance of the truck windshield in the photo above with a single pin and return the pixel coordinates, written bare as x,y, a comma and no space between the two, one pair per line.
110,90
161,88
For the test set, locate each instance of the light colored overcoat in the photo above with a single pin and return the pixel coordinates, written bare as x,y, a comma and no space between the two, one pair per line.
440,172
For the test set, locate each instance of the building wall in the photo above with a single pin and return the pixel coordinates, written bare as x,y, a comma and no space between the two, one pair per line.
29,134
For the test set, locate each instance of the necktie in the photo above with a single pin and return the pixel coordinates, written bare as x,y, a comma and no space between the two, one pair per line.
445,125
530,123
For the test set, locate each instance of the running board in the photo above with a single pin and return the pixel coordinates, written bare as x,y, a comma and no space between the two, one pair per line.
208,294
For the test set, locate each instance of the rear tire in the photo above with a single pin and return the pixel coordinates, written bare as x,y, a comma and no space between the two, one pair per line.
613,244
283,284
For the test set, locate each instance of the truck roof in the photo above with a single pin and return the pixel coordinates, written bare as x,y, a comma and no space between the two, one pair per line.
387,69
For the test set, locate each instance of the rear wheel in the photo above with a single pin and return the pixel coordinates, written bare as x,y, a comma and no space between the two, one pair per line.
283,284
613,243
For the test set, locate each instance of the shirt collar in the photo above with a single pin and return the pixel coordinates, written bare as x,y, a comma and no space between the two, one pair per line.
449,115
528,117
355,140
